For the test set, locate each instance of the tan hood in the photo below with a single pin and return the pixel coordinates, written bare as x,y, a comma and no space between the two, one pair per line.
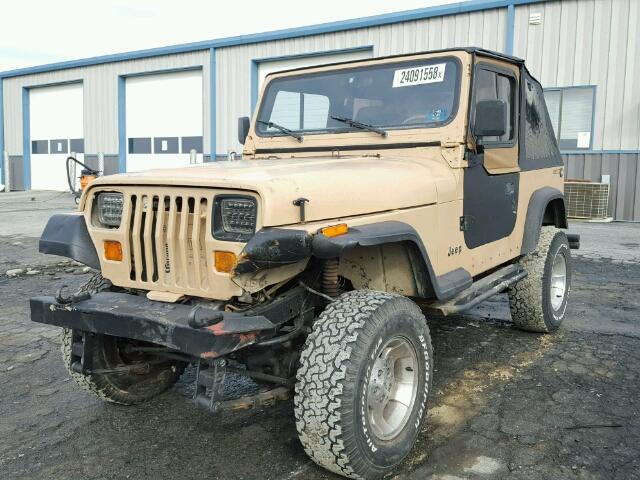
335,187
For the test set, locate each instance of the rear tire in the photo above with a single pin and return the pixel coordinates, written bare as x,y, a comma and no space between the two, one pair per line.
121,388
363,383
538,302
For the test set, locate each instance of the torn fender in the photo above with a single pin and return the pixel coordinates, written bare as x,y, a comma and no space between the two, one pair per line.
66,235
273,248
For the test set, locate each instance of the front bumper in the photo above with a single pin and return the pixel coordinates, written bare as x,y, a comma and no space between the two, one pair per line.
166,324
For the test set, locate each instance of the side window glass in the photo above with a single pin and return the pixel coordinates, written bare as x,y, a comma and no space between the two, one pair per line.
490,85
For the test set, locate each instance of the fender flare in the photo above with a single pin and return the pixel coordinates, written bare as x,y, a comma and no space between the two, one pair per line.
66,235
444,286
538,203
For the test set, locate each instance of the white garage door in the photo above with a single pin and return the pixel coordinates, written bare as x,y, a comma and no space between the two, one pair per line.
56,130
164,120
267,67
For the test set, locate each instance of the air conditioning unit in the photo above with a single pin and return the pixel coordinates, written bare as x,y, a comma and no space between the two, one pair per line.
586,200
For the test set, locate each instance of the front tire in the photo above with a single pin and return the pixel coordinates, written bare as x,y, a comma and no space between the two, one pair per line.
538,302
363,383
109,353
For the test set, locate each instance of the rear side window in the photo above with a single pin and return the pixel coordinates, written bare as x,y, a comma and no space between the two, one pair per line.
494,85
539,138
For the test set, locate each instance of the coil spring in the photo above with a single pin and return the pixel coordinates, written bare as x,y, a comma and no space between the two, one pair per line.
330,277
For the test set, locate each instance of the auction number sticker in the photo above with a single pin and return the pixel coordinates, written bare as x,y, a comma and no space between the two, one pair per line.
419,75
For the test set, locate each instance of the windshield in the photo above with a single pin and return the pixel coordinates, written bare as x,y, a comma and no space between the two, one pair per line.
419,93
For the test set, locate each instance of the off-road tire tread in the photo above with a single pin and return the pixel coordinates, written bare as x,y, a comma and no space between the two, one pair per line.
96,384
323,362
525,297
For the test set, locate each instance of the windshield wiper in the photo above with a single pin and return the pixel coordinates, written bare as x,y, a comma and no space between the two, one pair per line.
360,125
284,130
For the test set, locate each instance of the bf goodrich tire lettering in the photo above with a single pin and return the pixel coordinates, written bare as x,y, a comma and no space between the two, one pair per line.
530,299
330,406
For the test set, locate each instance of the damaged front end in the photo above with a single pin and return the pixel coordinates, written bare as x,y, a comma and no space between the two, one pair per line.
193,331
273,255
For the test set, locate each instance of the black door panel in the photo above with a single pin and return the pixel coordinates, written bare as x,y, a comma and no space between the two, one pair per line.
489,205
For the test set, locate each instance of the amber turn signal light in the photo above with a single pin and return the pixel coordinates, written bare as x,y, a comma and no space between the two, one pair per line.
112,250
335,230
224,261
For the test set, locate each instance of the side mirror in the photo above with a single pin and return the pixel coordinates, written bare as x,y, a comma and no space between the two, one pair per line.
491,118
243,129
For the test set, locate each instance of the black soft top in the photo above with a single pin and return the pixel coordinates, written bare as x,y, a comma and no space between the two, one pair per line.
473,50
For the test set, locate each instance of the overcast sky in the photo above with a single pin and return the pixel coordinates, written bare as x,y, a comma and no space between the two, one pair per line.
34,32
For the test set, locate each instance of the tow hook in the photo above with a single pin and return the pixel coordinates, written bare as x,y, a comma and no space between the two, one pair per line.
71,299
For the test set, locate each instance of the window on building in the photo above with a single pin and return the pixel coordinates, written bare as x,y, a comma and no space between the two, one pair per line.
492,85
192,143
39,146
140,145
571,113
166,145
59,146
76,145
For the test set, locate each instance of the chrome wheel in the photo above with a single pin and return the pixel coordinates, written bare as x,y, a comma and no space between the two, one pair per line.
392,388
558,284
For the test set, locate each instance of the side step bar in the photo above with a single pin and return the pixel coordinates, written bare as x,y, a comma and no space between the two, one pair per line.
481,290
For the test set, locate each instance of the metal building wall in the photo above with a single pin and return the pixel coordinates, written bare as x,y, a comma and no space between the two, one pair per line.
233,84
624,169
589,42
100,97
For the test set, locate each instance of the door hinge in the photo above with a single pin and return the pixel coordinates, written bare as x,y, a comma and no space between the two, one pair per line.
464,224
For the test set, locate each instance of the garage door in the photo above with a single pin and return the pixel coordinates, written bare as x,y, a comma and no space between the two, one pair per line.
267,67
164,120
56,130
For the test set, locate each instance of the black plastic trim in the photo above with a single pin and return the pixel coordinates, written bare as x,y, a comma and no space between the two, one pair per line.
535,214
66,235
445,286
574,241
272,248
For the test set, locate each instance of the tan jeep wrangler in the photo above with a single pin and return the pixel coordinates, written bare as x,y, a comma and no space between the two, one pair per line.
363,187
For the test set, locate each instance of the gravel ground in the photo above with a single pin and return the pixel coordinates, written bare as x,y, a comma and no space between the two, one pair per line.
505,404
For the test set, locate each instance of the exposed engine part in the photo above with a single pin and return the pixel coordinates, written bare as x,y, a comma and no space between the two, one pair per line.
280,362
315,292
209,392
246,298
265,377
330,284
261,399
